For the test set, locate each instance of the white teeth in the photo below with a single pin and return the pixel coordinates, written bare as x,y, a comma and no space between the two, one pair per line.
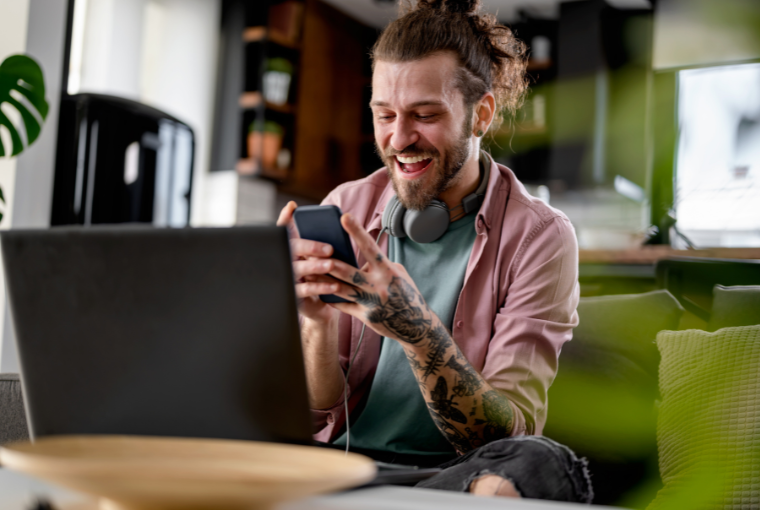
408,161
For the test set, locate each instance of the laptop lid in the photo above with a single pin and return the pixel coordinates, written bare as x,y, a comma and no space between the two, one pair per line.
168,332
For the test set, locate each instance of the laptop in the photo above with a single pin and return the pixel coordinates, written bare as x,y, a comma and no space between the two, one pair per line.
162,332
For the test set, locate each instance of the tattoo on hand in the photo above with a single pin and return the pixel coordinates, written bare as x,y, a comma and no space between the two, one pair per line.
359,279
399,313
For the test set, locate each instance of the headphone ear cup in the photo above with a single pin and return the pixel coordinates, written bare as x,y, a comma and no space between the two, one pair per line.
393,218
429,224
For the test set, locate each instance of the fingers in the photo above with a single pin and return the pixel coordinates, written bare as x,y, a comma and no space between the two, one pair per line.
309,289
350,274
306,248
363,240
304,268
286,214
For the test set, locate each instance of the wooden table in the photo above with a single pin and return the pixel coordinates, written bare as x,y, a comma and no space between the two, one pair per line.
18,491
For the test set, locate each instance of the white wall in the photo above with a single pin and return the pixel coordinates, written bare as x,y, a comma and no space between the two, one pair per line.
15,14
37,27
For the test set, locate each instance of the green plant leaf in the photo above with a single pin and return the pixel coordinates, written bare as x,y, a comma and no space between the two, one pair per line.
24,75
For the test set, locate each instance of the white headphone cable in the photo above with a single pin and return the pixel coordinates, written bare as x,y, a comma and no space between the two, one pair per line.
348,371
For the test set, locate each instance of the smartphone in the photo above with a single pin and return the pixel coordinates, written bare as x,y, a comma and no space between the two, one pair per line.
322,223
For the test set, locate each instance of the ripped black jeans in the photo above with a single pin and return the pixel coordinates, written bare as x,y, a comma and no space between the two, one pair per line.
537,467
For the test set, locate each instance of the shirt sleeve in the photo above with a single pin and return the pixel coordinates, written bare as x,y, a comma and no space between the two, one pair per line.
536,317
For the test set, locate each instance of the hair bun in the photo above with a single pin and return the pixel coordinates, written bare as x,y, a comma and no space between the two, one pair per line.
463,6
452,6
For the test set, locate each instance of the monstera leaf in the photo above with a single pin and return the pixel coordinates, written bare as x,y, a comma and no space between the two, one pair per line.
21,76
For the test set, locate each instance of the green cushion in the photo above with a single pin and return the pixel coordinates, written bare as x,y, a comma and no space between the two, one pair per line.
708,425
602,399
735,306
625,324
602,402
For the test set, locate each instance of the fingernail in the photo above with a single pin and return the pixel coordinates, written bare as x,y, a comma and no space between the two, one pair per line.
326,250
326,265
334,288
350,218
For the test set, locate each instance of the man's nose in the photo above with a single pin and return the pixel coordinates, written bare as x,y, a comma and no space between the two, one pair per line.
404,134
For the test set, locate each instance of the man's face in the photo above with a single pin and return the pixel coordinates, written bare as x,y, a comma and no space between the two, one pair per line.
422,127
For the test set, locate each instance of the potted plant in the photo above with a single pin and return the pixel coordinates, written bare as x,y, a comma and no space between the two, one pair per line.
21,82
264,142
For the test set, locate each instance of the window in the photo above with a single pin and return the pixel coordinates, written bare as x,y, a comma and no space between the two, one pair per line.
717,197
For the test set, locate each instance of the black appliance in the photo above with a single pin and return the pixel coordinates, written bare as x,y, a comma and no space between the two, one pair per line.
119,161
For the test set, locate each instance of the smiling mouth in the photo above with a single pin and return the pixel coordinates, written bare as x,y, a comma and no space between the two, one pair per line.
413,164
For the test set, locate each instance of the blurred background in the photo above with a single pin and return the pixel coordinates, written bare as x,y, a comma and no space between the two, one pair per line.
642,124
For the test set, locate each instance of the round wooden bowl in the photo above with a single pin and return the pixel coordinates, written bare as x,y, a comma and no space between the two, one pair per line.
151,473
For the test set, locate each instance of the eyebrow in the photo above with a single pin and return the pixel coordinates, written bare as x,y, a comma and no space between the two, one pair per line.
413,105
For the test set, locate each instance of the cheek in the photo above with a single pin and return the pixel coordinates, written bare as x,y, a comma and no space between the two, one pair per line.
435,136
383,134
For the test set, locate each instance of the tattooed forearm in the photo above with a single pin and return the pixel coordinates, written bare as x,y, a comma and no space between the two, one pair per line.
468,380
439,342
464,407
499,416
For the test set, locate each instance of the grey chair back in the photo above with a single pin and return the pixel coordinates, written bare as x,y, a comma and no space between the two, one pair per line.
13,425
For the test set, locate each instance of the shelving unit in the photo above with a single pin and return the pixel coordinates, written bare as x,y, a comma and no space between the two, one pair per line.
326,120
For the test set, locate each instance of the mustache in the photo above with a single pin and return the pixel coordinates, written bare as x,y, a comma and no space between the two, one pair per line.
412,150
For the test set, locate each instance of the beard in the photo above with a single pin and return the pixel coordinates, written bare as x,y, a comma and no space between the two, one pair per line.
417,195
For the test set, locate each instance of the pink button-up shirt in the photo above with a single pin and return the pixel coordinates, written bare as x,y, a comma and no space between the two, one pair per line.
516,308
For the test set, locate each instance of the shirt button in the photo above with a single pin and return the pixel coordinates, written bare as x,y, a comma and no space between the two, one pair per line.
330,419
459,324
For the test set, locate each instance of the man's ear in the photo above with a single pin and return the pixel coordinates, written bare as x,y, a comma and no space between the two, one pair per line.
483,114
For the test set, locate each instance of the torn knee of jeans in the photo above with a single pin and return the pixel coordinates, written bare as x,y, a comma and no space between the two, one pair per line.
476,476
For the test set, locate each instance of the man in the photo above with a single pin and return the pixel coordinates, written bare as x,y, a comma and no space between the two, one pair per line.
463,333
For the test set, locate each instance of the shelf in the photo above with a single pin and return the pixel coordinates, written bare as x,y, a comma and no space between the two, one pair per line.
539,65
250,167
261,34
252,100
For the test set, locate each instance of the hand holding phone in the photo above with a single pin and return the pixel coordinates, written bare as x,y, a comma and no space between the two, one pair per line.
322,223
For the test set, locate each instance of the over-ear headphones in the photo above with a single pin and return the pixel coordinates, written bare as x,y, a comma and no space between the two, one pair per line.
431,223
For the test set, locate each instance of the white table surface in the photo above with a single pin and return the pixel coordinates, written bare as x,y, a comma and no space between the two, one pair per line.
18,492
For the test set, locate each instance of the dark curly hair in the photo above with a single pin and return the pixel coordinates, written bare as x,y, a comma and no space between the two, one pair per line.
491,57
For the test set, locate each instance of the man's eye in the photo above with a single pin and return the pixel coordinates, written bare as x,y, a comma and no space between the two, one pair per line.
425,117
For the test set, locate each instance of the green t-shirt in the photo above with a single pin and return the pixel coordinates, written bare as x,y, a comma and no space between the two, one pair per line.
395,417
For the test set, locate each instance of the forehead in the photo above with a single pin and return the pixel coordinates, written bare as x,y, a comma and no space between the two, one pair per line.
401,84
